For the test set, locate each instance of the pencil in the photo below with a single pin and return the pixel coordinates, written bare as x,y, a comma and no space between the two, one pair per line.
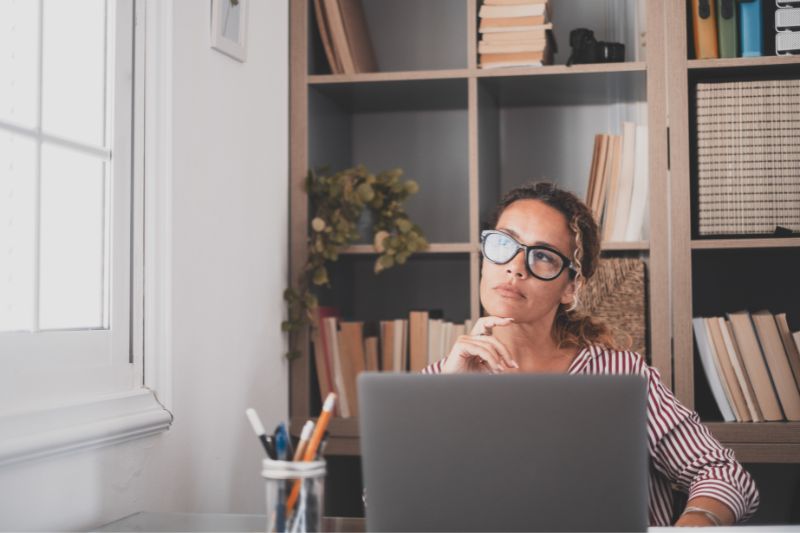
305,434
313,443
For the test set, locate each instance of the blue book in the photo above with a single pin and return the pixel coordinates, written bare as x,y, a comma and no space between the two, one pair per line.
751,28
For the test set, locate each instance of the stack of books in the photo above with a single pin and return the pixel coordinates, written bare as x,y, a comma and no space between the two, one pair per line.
787,27
752,363
619,184
344,349
747,154
515,33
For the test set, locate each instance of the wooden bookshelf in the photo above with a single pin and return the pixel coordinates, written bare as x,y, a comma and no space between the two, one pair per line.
697,262
465,134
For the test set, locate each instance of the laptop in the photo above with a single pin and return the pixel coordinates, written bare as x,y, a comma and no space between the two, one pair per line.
521,452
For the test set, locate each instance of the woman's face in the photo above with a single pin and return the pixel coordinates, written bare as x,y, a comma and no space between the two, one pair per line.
510,290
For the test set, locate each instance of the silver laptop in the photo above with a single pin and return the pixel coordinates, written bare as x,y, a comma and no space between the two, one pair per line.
523,452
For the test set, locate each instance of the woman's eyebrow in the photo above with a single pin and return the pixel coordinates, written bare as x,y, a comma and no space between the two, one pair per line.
537,243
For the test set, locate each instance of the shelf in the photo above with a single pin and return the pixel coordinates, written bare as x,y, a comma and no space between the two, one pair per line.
634,246
743,62
727,244
437,248
562,70
372,77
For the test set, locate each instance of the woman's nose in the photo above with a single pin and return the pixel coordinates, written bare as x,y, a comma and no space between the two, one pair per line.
516,267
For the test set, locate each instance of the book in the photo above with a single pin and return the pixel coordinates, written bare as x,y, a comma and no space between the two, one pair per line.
641,187
339,385
356,31
322,351
745,334
751,28
511,24
789,345
731,382
341,49
325,36
600,190
513,10
704,29
400,347
387,345
512,2
351,352
741,374
511,47
592,182
707,358
371,354
513,59
625,184
612,171
726,27
536,34
435,340
418,340
778,364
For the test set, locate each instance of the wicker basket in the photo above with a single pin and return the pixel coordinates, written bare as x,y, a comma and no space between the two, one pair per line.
616,295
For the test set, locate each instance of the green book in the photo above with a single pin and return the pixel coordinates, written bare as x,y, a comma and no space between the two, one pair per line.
726,27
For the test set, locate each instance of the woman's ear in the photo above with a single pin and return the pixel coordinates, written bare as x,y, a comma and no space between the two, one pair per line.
568,296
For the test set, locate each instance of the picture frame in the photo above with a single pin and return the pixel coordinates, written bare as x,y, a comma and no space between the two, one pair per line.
229,27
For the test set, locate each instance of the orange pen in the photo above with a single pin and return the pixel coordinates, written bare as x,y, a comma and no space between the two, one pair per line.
313,444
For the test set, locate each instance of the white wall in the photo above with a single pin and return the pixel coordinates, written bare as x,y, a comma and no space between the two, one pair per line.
230,227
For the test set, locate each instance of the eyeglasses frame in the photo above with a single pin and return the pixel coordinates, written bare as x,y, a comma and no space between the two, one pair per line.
565,264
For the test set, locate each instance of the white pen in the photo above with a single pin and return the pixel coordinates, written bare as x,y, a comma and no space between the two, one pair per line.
258,427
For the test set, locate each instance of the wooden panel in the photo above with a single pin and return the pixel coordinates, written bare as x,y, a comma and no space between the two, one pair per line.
474,194
561,70
371,77
634,246
679,192
298,208
706,244
658,266
766,453
764,432
743,62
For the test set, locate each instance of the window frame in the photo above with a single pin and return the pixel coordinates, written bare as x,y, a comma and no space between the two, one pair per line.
77,412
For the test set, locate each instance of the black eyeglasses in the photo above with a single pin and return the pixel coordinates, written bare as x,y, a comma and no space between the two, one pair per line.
542,262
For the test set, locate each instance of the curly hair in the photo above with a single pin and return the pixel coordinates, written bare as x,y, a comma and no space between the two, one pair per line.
571,326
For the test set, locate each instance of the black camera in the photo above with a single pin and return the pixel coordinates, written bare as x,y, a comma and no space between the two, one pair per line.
587,49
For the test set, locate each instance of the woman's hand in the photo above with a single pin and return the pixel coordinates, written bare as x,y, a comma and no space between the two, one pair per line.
479,351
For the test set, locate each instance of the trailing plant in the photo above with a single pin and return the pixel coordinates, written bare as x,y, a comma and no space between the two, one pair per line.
337,203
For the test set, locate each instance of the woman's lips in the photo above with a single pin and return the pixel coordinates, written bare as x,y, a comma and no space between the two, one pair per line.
508,291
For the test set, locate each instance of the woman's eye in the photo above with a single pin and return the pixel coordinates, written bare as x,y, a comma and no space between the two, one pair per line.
542,256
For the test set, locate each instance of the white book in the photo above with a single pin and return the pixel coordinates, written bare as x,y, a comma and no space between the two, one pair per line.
332,329
634,230
712,374
434,339
519,10
625,186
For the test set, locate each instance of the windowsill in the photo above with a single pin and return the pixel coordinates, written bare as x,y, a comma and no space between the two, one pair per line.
105,421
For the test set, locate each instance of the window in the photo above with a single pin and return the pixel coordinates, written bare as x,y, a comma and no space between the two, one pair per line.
66,200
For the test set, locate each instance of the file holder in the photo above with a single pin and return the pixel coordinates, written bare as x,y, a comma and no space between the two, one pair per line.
306,514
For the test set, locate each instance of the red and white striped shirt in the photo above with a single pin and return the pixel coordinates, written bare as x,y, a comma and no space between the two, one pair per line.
683,452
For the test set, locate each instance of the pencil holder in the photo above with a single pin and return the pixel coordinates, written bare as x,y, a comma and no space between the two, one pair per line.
295,495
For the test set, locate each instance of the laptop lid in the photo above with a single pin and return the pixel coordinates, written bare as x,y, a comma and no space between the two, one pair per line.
521,452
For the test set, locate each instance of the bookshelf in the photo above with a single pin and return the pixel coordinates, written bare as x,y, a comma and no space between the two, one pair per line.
711,276
466,135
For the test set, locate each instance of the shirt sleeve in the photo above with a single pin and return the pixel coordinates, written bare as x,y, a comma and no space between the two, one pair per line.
434,368
684,450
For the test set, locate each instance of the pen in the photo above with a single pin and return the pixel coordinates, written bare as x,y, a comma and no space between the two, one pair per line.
323,443
305,434
281,428
282,452
258,427
313,443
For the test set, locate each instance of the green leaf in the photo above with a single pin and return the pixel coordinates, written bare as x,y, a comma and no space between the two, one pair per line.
404,225
320,276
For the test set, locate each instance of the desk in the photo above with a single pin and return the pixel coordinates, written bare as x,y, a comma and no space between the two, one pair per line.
172,522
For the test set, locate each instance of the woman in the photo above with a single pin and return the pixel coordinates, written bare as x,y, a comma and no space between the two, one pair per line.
544,247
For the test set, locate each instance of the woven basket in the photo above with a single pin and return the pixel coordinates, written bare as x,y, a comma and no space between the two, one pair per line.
616,295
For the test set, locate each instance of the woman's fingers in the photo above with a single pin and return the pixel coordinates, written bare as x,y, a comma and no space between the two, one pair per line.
485,324
501,349
474,347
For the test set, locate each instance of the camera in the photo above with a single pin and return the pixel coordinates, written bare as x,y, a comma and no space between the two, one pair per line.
587,49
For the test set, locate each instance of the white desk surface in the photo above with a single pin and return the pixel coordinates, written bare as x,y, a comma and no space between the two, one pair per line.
173,522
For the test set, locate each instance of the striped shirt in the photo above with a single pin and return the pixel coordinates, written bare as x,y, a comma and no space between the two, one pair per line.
683,453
